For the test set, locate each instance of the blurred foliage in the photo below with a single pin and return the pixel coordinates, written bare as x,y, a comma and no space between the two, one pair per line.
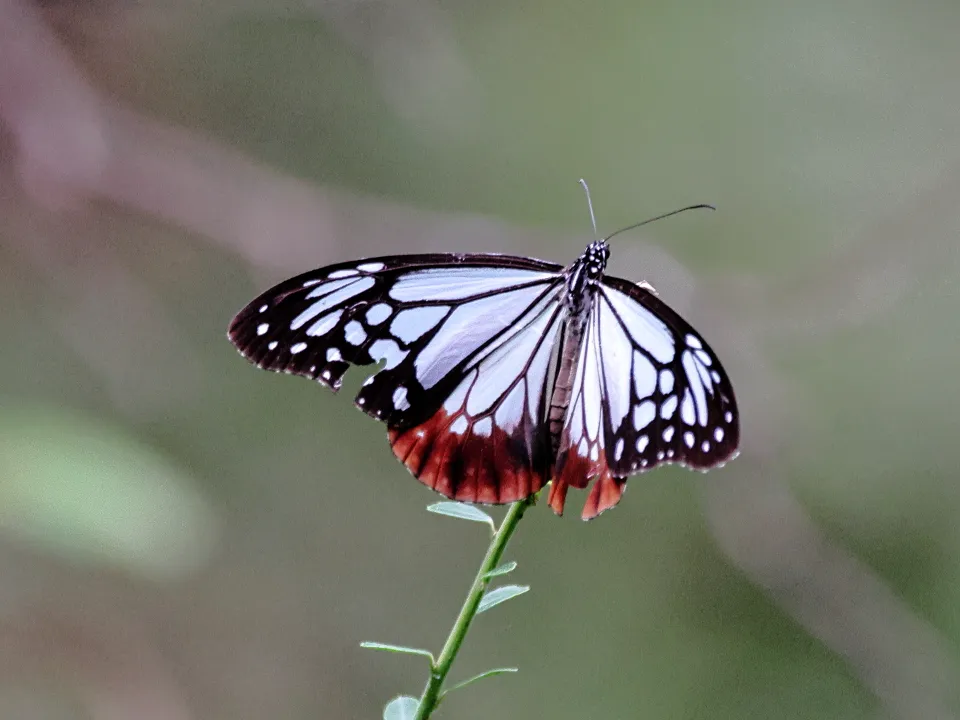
93,494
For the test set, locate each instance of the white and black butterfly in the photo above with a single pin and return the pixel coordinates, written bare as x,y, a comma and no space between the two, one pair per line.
502,373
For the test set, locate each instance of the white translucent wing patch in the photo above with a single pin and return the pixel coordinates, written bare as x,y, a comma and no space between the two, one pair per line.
329,295
471,326
459,283
667,396
583,430
646,329
509,377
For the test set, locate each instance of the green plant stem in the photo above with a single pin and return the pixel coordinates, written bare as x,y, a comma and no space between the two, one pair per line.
431,693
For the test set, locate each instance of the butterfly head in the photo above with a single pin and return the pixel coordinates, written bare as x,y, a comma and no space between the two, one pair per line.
595,258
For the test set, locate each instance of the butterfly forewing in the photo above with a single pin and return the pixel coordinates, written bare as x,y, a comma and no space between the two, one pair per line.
422,316
668,399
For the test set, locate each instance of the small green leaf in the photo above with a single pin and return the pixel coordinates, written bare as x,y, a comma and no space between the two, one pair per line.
502,570
481,676
464,512
499,595
397,649
403,707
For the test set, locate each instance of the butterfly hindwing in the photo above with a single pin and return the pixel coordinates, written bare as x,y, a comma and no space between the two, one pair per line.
668,398
487,442
582,452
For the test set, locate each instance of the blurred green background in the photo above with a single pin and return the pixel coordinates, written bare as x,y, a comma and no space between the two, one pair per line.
182,536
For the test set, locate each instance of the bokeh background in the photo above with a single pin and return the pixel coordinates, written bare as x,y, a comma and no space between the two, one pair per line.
182,536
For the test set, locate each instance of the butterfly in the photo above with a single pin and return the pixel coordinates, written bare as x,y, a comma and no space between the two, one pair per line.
501,373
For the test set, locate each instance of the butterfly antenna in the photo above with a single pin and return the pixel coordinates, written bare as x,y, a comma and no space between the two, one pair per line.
702,206
593,219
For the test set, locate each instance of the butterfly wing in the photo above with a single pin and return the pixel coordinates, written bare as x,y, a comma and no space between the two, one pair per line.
488,442
465,341
669,398
648,391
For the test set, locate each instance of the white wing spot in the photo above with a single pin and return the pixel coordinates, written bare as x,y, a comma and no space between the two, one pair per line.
371,267
688,438
694,342
666,382
376,314
262,328
326,374
329,296
642,443
342,274
704,357
618,451
687,411
718,434
322,327
333,354
263,308
313,368
298,348
716,376
706,446
400,401
354,333
582,448
414,323
387,350
272,345
668,433
660,455
459,426
510,412
643,414
594,452
669,407
728,416
483,428
644,375
699,393
670,452
454,403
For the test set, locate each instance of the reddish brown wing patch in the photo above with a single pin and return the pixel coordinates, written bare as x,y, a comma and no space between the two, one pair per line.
574,469
466,466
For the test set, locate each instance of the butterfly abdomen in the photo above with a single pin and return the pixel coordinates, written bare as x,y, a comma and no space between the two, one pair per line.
577,304
560,397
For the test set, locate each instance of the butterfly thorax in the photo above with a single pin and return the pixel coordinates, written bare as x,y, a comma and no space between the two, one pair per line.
579,295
